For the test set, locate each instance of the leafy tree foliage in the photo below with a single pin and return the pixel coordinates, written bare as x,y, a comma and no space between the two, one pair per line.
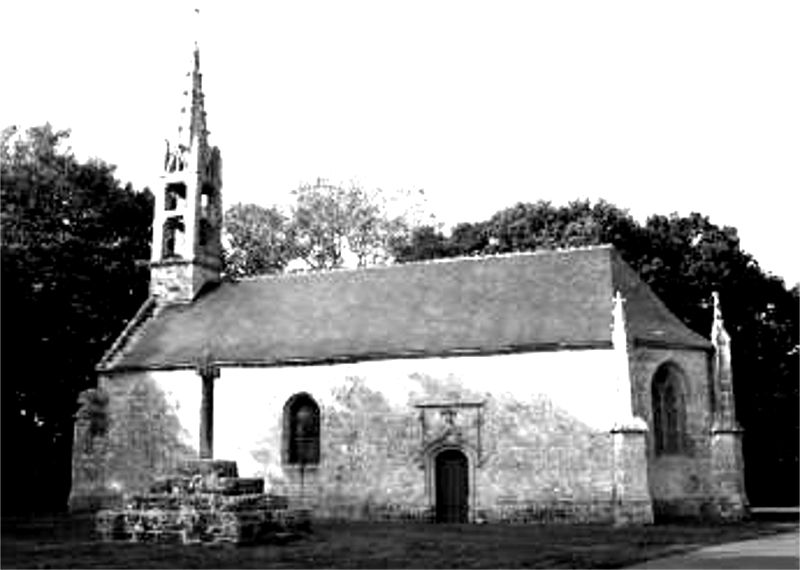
424,243
471,239
71,237
526,227
257,240
327,227
330,222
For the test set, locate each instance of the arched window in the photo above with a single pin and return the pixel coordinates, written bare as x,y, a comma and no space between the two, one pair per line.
669,415
301,430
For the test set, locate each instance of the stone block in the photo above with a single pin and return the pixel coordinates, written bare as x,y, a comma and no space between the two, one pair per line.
632,503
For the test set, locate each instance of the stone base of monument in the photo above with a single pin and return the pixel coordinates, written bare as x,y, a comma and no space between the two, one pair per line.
203,504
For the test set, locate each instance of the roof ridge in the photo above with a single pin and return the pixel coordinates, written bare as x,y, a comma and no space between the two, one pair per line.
427,262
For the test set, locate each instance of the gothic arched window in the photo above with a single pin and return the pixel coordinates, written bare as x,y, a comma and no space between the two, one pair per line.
669,415
301,430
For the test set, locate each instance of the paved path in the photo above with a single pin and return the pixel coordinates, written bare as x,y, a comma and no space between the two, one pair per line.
778,551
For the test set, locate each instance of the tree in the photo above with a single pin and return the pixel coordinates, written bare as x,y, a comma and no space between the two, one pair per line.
424,242
468,239
71,238
330,223
528,227
327,227
257,240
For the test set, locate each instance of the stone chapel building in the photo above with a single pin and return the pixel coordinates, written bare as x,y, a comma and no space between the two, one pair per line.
542,386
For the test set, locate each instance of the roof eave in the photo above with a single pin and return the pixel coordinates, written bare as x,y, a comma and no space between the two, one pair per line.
363,357
671,344
145,312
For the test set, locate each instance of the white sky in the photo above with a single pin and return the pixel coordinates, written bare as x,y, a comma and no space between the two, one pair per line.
654,106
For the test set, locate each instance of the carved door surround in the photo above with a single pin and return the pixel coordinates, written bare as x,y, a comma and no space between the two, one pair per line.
450,453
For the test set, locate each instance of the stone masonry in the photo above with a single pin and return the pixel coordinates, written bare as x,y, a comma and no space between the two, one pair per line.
537,460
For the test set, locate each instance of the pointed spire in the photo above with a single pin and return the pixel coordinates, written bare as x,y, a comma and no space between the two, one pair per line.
188,211
723,373
185,149
718,331
721,340
192,119
196,22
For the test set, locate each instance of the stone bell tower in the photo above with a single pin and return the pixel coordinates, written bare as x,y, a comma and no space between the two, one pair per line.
187,251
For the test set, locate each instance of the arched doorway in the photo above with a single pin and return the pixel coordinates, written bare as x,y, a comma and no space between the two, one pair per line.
452,487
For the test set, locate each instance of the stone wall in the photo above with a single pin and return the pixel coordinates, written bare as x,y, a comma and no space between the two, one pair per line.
545,442
150,427
179,280
545,451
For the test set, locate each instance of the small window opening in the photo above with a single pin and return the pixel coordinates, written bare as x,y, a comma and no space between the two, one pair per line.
206,196
172,194
174,231
302,431
205,231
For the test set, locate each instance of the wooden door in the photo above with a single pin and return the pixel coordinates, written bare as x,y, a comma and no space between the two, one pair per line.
452,487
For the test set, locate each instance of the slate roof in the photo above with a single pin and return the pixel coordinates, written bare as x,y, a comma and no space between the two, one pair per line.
530,301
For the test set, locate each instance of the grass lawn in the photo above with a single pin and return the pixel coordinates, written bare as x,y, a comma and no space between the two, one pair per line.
63,542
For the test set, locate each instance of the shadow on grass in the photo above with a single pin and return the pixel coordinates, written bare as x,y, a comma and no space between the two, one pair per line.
68,542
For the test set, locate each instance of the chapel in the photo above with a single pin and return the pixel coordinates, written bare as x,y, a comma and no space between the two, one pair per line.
539,387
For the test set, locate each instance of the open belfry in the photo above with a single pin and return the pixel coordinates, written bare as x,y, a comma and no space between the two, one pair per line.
542,387
186,251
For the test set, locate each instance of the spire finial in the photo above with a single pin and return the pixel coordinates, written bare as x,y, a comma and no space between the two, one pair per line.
195,27
717,326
